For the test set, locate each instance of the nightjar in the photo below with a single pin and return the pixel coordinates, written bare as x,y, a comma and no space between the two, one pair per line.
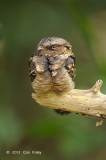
52,67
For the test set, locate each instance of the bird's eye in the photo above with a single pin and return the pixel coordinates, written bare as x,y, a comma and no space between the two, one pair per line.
67,47
53,47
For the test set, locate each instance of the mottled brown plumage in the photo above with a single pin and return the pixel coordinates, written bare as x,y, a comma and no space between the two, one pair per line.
52,67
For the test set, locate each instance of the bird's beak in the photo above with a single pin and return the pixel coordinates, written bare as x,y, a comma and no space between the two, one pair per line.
40,48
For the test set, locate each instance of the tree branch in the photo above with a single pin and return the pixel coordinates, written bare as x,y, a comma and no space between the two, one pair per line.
89,102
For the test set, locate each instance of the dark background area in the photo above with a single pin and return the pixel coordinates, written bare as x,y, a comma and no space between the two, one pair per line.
25,125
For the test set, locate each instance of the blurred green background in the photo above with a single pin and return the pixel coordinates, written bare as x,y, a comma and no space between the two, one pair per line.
25,125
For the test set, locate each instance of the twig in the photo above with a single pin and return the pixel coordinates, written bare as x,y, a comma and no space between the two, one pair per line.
89,102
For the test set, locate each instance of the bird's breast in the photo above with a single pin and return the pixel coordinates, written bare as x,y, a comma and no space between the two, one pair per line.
51,75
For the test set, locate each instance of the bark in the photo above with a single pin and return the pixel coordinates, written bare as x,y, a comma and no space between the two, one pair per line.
89,102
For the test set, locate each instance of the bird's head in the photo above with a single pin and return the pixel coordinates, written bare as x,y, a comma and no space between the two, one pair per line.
54,46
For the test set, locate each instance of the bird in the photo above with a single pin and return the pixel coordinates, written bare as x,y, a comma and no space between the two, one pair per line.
52,67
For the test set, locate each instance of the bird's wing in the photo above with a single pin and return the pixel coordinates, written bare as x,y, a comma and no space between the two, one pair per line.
70,66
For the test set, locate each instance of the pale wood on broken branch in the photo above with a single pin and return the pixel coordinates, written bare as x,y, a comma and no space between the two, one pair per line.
89,102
